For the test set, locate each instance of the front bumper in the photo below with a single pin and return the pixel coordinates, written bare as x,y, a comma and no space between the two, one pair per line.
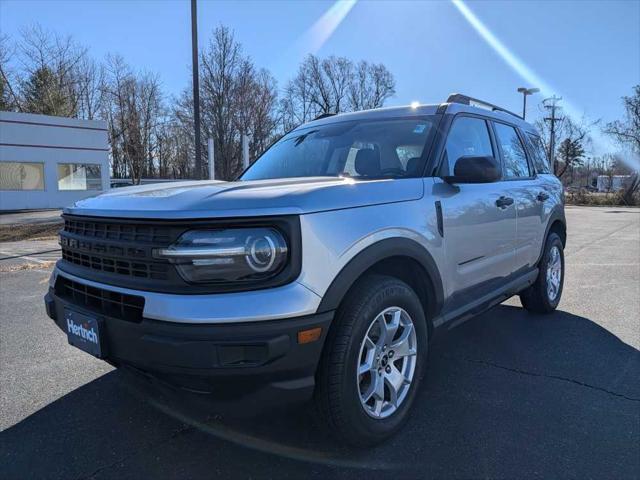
261,361
235,307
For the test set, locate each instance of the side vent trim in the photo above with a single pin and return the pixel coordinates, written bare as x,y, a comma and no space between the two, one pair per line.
439,218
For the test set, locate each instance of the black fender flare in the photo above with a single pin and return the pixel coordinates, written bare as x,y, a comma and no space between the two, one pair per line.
391,247
557,214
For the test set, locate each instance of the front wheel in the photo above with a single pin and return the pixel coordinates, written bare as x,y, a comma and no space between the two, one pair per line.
544,295
373,362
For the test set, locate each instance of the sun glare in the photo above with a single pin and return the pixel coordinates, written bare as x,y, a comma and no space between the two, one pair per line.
324,27
522,69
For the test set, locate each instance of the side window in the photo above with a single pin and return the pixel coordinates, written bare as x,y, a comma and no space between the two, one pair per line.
514,157
538,154
468,137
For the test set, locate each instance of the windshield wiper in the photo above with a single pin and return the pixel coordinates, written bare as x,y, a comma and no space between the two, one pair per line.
302,138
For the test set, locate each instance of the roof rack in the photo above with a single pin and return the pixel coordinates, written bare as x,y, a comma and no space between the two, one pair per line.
466,100
324,115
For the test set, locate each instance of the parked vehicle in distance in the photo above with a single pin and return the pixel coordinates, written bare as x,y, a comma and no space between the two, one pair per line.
120,182
327,268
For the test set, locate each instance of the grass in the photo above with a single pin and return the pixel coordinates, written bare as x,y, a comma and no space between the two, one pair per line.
48,265
614,199
38,231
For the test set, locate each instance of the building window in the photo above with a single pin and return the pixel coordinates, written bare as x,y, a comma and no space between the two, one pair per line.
79,176
21,176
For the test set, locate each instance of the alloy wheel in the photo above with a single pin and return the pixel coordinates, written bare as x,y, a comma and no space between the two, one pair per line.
554,273
387,362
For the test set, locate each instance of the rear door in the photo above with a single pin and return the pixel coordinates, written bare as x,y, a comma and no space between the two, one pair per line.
522,185
479,226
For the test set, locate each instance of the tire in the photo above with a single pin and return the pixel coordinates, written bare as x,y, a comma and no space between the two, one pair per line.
373,300
544,295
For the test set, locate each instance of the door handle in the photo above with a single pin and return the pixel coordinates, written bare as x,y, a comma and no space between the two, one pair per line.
504,202
542,196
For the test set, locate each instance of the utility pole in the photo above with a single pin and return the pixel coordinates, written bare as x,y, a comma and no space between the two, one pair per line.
526,91
196,87
551,104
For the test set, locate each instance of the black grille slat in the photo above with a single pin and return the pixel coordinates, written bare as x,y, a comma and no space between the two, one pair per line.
123,267
105,302
117,248
118,232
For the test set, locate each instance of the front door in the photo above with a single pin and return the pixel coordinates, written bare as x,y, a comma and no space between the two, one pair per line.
479,220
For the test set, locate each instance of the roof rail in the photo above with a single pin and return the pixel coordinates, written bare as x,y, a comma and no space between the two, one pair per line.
324,115
466,100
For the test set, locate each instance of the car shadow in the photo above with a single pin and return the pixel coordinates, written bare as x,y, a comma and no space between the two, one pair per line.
507,394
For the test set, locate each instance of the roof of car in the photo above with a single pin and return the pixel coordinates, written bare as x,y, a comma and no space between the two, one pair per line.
408,111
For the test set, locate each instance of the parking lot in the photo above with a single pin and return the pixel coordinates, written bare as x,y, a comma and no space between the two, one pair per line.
507,394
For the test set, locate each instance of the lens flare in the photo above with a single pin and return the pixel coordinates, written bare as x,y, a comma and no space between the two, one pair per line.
601,143
323,28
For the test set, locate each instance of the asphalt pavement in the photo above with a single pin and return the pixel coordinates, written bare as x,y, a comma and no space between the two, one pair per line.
508,394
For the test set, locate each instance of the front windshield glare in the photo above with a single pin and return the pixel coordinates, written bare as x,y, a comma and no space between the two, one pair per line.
358,149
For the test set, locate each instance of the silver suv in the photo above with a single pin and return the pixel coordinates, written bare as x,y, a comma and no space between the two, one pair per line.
326,269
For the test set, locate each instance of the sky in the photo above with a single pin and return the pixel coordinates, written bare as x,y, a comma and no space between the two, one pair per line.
588,52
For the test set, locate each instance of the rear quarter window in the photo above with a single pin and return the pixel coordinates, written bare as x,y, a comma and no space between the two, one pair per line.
538,154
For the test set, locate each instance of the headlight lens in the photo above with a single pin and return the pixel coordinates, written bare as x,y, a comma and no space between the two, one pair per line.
228,255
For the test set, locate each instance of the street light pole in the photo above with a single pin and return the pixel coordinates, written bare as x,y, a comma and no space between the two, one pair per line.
196,88
526,91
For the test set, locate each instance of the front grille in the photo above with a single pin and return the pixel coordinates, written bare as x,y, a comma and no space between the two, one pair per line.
120,267
118,232
105,302
119,252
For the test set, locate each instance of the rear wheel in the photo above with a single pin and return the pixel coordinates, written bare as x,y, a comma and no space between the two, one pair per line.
544,295
373,361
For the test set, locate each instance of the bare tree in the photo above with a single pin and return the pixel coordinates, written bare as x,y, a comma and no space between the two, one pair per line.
627,131
221,62
90,78
261,109
333,85
8,94
295,106
574,137
49,63
133,108
236,100
180,143
372,85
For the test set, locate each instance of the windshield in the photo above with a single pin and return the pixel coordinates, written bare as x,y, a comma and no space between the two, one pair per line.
358,149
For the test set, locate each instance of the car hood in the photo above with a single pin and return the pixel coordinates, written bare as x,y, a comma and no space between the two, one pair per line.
202,199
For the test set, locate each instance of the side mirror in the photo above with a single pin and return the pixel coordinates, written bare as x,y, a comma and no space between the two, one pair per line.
475,170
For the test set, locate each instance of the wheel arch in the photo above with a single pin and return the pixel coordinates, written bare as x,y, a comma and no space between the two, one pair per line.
557,223
401,258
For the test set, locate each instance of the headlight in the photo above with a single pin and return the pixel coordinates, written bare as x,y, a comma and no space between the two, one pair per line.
228,255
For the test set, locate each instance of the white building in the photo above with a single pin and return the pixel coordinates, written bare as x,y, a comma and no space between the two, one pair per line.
50,162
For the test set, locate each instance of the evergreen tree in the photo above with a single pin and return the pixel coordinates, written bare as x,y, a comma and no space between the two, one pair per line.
45,93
